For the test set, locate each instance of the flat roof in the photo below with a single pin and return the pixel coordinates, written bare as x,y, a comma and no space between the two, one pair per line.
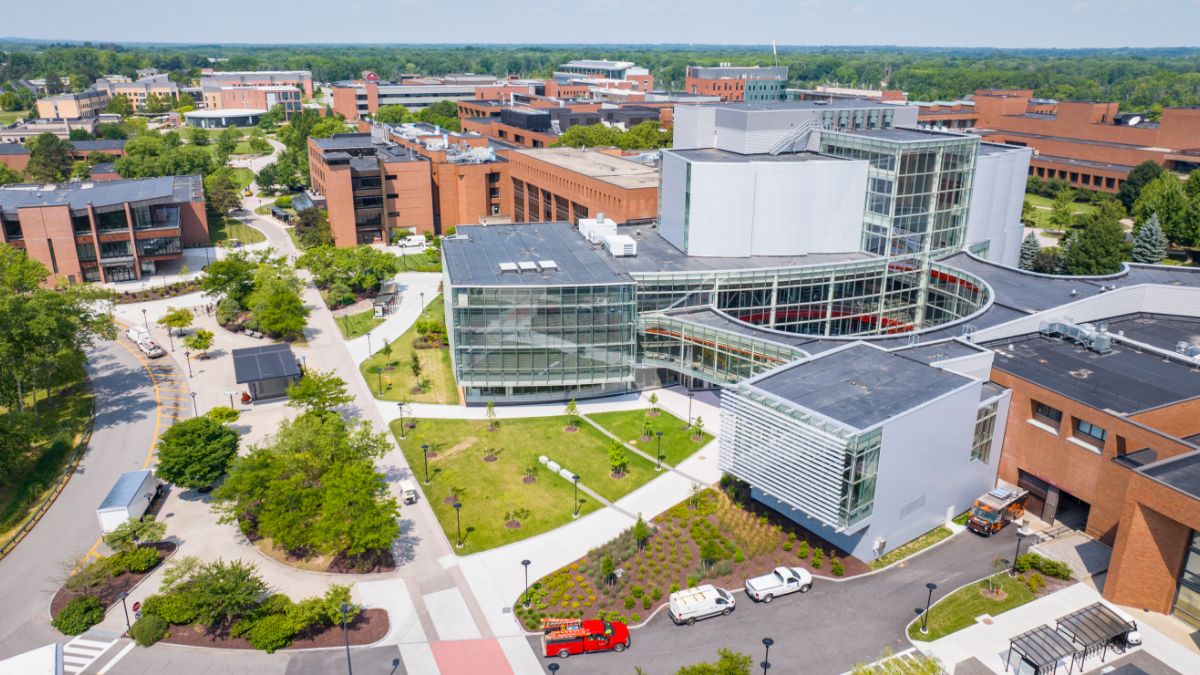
101,144
942,350
268,362
717,155
861,385
904,134
224,112
1123,380
13,149
832,104
125,489
165,189
1181,472
1160,330
623,173
344,141
1084,163
655,254
474,256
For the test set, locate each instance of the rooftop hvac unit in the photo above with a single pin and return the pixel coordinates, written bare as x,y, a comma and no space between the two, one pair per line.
621,245
528,266
597,229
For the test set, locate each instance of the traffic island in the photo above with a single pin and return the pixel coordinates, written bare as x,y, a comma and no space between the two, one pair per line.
369,627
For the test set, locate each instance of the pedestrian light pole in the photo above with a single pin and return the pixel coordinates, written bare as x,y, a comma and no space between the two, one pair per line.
346,637
525,563
458,522
575,480
766,663
425,456
928,601
188,356
659,451
1021,534
195,410
125,607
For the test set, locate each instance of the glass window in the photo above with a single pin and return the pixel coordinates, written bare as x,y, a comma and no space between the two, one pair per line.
1089,432
985,431
1047,413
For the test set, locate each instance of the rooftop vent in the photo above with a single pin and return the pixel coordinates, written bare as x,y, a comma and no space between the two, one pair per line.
528,266
509,267
547,265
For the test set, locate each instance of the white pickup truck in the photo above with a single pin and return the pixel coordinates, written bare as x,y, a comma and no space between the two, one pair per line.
141,337
781,581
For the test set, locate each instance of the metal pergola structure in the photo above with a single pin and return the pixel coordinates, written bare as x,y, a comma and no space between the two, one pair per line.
1043,647
1093,628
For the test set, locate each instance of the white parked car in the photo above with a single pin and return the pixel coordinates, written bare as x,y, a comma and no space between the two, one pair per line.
701,602
141,337
781,581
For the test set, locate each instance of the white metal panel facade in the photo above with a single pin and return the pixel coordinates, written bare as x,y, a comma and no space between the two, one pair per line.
996,199
672,197
808,207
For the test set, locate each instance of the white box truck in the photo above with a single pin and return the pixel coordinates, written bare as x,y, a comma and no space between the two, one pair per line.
701,602
128,498
408,492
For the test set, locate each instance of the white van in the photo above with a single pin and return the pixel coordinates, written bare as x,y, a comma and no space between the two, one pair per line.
700,602
141,337
408,492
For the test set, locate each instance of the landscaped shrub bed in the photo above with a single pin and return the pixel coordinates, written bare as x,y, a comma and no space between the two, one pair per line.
106,578
709,538
159,292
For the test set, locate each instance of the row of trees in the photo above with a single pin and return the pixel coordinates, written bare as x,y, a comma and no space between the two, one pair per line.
343,271
1138,79
644,136
443,113
44,333
290,169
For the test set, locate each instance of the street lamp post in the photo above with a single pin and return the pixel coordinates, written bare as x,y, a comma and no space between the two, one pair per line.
1021,534
125,607
659,451
928,600
170,340
553,668
766,664
425,456
369,352
422,301
346,638
691,395
400,406
145,321
525,563
575,479
458,521
195,410
188,356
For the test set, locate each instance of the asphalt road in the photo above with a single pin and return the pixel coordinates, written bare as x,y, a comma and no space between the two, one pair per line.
827,630
125,422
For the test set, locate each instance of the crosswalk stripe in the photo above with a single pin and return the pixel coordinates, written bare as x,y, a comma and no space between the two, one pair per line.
120,655
84,642
84,651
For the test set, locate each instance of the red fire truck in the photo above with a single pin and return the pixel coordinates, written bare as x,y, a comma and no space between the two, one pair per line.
564,637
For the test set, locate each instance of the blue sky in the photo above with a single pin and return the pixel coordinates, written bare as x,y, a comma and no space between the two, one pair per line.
997,23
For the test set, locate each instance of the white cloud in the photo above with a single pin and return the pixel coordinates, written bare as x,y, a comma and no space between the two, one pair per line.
1080,7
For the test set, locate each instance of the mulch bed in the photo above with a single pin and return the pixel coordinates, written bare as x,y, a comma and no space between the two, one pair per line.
368,563
158,292
110,594
368,627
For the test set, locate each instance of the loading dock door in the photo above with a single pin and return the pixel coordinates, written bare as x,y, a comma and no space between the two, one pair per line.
1038,492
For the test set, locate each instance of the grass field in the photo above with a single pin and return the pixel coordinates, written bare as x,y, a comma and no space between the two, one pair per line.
911,548
491,491
960,608
10,117
243,176
397,378
1041,216
235,229
64,414
356,325
677,444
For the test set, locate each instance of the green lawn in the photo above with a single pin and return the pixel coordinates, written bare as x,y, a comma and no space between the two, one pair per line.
490,490
243,177
421,262
912,548
677,444
355,325
65,412
243,148
10,117
1041,216
235,229
959,609
397,378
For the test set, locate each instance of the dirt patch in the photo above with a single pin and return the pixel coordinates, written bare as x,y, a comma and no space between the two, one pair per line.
512,524
365,564
570,429
490,458
528,479
109,594
464,444
616,476
368,627
449,500
996,595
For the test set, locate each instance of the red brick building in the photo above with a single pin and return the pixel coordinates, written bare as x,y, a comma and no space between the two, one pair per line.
109,231
566,184
1108,441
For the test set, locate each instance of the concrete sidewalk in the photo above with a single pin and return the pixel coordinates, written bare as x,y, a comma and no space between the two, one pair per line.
989,642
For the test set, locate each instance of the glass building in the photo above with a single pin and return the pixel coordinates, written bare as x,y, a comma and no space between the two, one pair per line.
535,313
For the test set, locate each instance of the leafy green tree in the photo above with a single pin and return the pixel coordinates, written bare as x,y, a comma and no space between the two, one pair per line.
362,268
275,302
490,412
312,228
119,105
1099,248
221,593
199,136
49,158
318,391
357,513
641,532
414,365
1138,178
1192,185
201,340
653,399
572,413
1029,250
617,458
127,535
608,567
176,319
184,103
221,191
392,114
8,176
728,662
1165,197
231,277
590,136
195,453
1061,213
158,104
1150,245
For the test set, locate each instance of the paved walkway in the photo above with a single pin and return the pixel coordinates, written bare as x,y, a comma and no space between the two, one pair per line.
989,642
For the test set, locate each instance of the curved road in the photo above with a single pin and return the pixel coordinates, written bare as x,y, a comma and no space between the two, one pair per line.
127,415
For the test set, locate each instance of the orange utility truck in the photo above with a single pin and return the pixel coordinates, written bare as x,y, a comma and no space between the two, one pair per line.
993,511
